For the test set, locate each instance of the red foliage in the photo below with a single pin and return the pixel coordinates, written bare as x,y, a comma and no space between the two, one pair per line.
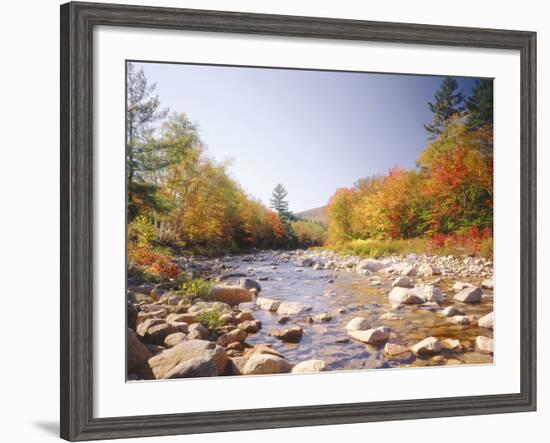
153,263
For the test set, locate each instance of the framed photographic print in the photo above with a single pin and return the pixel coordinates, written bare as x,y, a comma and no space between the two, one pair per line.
333,218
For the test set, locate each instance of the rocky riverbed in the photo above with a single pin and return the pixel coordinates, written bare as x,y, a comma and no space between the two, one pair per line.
311,311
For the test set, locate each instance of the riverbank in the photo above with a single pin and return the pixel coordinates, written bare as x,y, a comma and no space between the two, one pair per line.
308,311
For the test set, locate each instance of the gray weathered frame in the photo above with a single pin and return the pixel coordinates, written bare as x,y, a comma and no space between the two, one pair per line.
77,23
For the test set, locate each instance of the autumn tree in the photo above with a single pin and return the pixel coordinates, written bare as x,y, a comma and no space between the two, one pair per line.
448,101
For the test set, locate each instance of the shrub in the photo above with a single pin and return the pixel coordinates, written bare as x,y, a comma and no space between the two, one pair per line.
197,288
152,265
211,319
141,231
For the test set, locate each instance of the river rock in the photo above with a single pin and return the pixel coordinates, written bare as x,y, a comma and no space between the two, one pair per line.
373,336
283,319
429,293
428,346
164,362
484,344
146,315
404,296
459,286
197,331
181,318
310,366
452,345
372,265
487,284
292,334
232,336
267,304
250,326
204,306
131,315
486,321
451,311
232,295
393,349
259,364
173,339
137,353
402,282
244,316
155,330
248,283
358,324
194,367
324,317
390,316
471,294
292,308
426,270
264,349
408,270
460,319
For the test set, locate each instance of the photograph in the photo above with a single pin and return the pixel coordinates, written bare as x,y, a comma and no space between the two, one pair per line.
287,220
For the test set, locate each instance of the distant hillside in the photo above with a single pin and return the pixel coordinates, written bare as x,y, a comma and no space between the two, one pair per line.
315,214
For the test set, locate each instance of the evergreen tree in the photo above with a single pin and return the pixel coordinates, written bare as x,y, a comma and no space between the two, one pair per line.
141,113
480,104
448,101
279,204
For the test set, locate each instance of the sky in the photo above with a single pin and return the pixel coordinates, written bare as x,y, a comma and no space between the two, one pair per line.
311,131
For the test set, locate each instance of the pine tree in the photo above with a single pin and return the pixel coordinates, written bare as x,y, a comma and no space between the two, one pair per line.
278,202
480,104
448,101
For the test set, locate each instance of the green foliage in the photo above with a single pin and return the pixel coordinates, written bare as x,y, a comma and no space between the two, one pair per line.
197,289
480,104
448,101
141,231
279,203
211,319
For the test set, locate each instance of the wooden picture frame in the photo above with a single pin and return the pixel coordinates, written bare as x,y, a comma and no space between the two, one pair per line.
77,23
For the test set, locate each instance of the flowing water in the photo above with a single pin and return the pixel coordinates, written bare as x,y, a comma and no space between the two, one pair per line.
354,295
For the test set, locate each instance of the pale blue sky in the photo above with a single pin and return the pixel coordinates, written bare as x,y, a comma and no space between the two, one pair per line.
312,131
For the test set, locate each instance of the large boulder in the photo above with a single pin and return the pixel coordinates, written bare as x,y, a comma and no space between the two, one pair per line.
310,366
428,346
263,349
267,304
195,367
131,315
358,324
137,353
460,285
232,295
427,270
393,349
484,344
203,306
155,330
375,336
487,321
292,308
470,294
259,364
163,363
197,331
292,334
429,293
404,296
